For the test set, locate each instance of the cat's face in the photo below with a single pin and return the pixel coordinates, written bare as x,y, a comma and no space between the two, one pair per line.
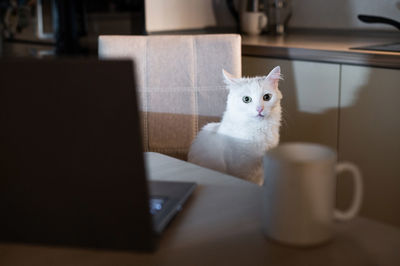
253,98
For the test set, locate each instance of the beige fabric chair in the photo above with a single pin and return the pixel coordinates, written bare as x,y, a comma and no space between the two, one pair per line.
179,81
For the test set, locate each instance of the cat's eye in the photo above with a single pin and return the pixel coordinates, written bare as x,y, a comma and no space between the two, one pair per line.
267,97
246,99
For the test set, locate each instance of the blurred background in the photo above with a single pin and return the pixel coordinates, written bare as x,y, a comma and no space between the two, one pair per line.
333,95
70,27
39,28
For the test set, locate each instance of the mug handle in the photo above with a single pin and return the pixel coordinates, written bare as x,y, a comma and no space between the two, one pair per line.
262,21
357,193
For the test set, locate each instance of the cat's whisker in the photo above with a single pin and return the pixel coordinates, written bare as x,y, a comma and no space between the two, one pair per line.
285,124
284,121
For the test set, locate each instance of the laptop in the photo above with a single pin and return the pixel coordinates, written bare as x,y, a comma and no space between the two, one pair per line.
72,170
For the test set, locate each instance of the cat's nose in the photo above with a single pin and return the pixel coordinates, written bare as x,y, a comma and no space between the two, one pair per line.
260,109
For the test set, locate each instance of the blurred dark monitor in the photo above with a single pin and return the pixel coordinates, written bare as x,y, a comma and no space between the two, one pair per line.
68,27
81,22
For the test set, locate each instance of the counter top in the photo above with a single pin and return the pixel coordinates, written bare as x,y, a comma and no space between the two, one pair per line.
332,47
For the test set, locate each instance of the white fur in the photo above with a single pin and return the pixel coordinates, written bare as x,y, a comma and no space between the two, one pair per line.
236,144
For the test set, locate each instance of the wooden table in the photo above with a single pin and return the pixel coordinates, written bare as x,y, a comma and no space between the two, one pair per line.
221,225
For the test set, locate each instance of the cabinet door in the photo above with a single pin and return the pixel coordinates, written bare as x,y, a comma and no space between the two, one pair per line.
310,98
370,137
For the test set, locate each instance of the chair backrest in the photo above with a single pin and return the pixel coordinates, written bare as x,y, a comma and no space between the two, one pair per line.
180,85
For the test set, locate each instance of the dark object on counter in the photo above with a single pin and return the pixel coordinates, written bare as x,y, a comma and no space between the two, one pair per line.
234,13
377,19
279,13
70,26
252,6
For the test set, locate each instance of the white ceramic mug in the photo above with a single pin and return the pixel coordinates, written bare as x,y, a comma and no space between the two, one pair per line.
299,193
253,23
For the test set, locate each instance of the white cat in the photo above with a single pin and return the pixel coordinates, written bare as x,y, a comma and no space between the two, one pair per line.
249,127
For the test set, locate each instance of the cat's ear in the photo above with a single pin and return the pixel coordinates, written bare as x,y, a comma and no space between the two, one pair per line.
275,75
229,79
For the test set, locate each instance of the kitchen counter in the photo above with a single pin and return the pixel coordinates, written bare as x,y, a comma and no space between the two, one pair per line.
330,46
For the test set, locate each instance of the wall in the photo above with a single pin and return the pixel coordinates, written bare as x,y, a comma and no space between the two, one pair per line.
167,15
164,15
342,14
